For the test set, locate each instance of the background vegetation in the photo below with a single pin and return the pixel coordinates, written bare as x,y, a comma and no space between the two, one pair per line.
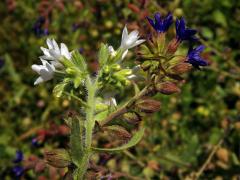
202,119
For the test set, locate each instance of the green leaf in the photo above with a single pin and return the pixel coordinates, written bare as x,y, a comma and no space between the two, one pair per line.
220,18
59,89
77,140
134,140
103,54
79,61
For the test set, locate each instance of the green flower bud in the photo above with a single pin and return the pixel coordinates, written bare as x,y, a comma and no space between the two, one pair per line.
116,67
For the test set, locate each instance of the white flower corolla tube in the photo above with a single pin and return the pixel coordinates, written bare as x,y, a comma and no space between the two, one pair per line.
129,40
45,71
54,53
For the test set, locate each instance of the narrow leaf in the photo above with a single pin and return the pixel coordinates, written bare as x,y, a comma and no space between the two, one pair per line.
135,139
76,140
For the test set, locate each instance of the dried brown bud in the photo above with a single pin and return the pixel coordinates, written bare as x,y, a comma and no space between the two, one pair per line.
58,158
223,155
167,88
118,131
181,68
40,166
173,46
134,8
148,105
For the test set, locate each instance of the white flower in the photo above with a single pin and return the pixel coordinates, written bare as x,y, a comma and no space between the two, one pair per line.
46,71
129,40
54,53
112,51
136,76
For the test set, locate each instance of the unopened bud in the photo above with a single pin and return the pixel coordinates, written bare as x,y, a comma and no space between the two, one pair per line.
181,68
40,166
58,158
132,118
173,46
167,88
146,66
148,105
118,131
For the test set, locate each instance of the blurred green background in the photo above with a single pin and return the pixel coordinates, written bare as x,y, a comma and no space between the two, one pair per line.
178,139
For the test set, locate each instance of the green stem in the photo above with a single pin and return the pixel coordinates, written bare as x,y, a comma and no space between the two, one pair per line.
82,168
89,125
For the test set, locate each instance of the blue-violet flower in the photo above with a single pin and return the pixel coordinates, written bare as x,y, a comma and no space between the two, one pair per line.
18,157
18,171
161,24
194,58
184,33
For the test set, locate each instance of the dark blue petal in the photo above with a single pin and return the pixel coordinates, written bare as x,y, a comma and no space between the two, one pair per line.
18,157
200,48
194,57
18,171
157,17
184,33
161,24
151,22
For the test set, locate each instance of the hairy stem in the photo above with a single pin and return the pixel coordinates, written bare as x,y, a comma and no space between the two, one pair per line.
89,125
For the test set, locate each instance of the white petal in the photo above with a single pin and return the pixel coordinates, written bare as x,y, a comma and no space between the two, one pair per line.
49,43
124,54
57,64
50,58
50,68
54,54
137,43
64,51
45,51
38,80
37,68
133,35
55,46
124,35
113,101
110,49
46,75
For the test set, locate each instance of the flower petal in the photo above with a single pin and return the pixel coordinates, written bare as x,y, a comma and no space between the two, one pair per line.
64,51
49,43
38,80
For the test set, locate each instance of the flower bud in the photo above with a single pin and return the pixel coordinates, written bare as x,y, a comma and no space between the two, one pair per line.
117,131
40,166
148,105
167,88
58,158
173,46
132,118
181,68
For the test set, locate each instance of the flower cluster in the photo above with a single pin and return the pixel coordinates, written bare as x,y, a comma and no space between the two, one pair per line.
54,60
50,60
161,25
